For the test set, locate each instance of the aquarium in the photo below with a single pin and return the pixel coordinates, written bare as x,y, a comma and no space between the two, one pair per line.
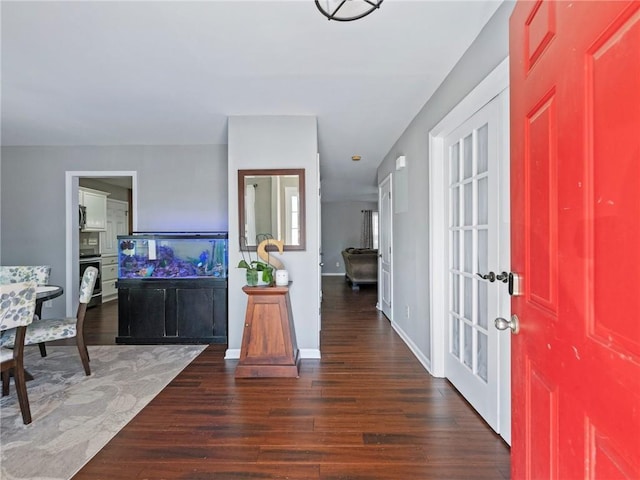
172,255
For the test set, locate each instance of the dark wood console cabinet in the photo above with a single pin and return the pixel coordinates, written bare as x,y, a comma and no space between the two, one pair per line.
181,310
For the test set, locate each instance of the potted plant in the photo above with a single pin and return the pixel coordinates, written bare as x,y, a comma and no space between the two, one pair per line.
258,272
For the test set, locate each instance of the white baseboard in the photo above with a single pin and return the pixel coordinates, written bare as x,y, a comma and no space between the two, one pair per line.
310,353
234,353
426,363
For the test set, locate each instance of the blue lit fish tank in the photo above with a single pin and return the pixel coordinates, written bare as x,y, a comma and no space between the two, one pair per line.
173,255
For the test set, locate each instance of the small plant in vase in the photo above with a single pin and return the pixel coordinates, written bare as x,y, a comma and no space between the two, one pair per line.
258,272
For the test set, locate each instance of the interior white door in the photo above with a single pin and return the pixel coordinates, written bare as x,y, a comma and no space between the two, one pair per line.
385,240
319,225
117,224
475,193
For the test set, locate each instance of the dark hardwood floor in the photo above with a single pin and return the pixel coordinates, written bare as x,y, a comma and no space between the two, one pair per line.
101,326
366,410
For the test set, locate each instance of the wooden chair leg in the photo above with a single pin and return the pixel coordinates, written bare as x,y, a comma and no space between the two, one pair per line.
82,346
21,389
43,349
84,354
19,376
5,383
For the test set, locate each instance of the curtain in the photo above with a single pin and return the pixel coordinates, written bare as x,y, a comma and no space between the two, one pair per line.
366,236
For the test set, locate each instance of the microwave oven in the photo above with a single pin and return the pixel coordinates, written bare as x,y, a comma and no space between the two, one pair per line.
82,217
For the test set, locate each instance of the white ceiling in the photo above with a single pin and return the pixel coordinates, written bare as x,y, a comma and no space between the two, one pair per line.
155,73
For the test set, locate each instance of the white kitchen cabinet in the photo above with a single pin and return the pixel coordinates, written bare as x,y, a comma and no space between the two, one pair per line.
95,203
109,277
117,223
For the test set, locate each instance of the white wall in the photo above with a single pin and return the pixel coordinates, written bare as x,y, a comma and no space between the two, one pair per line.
276,142
181,188
411,230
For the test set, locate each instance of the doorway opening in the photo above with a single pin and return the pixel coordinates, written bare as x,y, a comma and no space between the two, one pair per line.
122,179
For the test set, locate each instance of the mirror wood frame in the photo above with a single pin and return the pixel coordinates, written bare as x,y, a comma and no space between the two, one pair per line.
299,172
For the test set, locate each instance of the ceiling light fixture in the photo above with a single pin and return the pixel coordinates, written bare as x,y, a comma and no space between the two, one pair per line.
347,10
356,158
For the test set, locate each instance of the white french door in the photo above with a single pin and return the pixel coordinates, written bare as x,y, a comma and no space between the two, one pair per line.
475,192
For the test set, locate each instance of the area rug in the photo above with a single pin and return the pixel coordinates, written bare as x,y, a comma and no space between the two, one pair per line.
74,416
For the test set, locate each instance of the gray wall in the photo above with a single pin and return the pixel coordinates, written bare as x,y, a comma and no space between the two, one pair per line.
1,262
277,142
410,228
179,188
341,227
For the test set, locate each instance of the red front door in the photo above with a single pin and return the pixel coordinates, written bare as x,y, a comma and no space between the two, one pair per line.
575,181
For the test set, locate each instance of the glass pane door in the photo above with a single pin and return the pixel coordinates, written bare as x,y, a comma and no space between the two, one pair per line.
471,362
468,232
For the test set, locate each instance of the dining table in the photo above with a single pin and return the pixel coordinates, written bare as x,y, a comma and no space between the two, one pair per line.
45,293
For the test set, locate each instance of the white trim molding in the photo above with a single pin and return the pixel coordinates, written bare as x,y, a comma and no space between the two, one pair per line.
413,347
310,353
232,354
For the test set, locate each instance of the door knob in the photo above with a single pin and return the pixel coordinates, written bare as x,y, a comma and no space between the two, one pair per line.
488,276
503,324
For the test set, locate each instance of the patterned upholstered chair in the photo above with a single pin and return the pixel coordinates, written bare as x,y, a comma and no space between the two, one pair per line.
50,329
17,304
27,273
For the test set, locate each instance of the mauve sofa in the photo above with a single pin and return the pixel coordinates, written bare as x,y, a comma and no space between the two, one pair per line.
361,265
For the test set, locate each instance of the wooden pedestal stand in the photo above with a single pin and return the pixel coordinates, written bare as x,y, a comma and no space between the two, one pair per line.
269,347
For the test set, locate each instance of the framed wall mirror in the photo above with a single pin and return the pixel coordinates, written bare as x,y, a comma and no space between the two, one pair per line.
271,202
